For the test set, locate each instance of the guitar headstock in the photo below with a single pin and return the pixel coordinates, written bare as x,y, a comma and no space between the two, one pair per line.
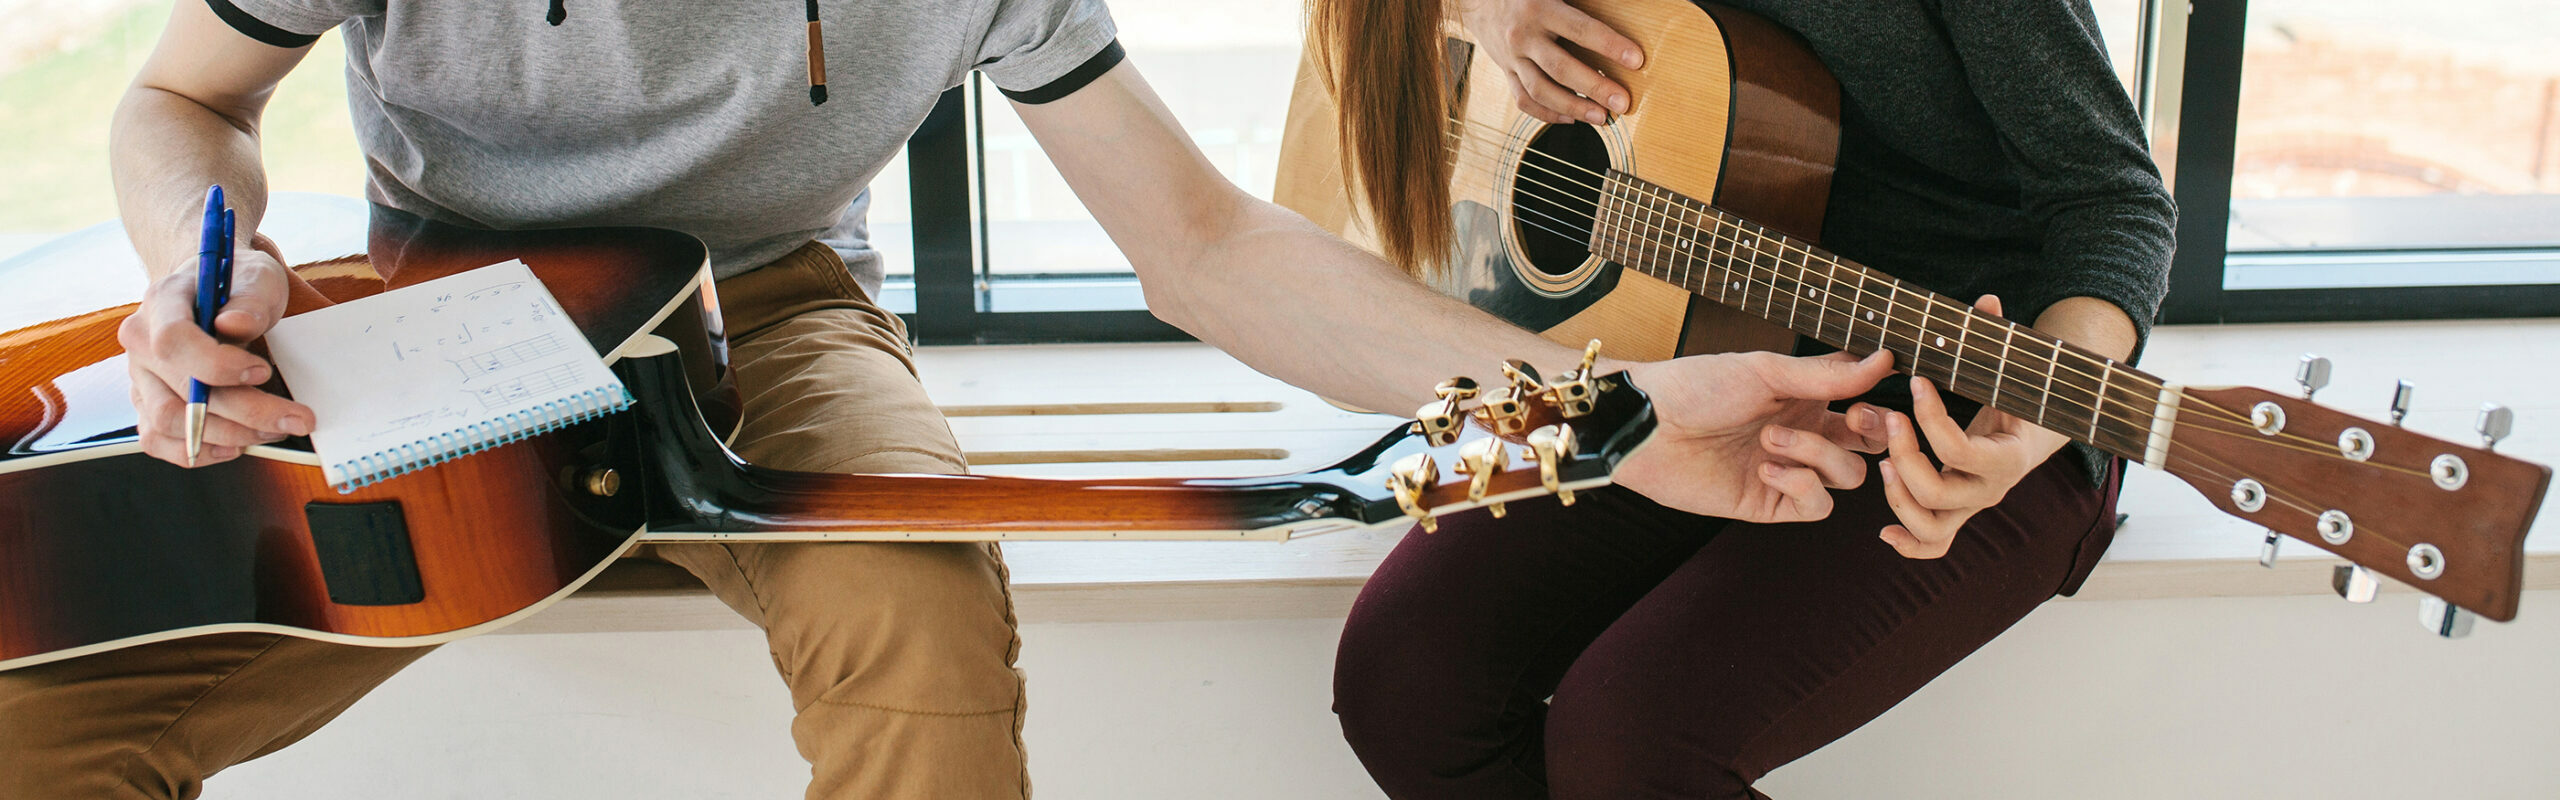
2447,519
1479,448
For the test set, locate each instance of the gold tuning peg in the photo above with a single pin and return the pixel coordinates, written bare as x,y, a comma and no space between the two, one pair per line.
1551,446
1507,409
1480,460
1572,392
1438,420
1408,478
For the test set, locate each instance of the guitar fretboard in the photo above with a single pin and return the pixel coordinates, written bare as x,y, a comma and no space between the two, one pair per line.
1766,273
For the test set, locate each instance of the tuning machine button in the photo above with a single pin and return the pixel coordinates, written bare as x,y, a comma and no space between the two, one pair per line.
2400,401
2444,619
1438,421
2267,551
1551,446
2312,374
1480,460
1573,391
1407,480
2496,421
2355,583
1507,409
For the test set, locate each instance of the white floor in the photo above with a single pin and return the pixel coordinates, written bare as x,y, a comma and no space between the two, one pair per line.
2262,698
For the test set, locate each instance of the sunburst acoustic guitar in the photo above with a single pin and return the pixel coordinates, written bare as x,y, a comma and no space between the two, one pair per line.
103,547
1687,225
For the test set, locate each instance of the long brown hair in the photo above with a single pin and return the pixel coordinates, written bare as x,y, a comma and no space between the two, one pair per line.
1383,64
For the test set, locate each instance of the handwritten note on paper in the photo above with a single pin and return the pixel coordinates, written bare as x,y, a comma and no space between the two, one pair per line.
418,373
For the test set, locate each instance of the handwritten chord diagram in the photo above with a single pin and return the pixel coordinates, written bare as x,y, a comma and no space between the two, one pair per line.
499,359
509,394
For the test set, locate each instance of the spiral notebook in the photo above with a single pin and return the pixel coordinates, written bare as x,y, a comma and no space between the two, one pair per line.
418,375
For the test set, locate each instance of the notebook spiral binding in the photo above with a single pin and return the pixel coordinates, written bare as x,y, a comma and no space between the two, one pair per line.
515,426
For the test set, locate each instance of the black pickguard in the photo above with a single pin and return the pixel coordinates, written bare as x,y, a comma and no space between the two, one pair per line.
1480,272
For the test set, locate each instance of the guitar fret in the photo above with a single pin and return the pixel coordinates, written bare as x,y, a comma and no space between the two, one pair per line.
2051,361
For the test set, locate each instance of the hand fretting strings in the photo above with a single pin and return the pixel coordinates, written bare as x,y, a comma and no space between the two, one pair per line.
2008,330
1638,232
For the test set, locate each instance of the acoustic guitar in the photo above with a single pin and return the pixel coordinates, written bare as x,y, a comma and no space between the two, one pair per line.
103,547
1687,225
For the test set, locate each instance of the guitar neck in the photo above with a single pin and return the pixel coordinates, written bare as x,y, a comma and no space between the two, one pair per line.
2090,398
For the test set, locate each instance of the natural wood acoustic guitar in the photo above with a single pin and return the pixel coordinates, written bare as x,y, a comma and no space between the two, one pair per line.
1688,225
103,547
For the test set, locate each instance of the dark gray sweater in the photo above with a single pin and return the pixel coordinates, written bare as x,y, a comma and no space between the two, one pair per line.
1986,147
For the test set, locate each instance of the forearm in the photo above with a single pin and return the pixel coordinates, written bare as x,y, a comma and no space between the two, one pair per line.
164,150
2092,323
1304,306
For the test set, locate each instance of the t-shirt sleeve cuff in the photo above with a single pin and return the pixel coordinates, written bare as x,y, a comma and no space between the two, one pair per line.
1082,31
273,23
1077,78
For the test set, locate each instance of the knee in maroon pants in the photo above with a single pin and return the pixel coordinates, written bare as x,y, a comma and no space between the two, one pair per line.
1598,746
1410,725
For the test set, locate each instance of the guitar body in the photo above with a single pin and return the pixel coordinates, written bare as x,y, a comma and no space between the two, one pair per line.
1728,106
117,547
102,546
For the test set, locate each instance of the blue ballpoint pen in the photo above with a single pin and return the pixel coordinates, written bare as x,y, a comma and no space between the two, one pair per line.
213,288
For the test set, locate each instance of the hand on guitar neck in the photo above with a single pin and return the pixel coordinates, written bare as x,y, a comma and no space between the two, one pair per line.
1711,456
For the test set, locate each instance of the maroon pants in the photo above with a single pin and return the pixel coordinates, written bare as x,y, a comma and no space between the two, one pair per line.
1618,649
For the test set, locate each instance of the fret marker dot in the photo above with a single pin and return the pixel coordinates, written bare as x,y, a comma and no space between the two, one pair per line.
1871,315
1817,294
1737,286
1942,341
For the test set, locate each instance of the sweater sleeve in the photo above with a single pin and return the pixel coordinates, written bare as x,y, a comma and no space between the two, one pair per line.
2086,177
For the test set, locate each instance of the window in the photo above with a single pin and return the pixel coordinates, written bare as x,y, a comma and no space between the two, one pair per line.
2384,160
63,67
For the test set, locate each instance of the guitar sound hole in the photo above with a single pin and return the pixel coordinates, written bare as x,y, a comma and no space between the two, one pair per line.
1555,196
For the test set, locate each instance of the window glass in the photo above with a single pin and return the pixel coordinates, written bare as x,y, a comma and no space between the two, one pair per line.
1224,67
63,67
2389,125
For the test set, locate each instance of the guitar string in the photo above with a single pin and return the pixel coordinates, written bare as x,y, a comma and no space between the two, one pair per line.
2240,428
2310,445
1847,329
1849,332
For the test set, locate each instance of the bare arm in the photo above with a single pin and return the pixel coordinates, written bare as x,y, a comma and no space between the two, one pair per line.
1293,301
190,120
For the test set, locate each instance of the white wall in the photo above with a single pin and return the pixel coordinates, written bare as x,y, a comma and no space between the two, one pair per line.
2267,697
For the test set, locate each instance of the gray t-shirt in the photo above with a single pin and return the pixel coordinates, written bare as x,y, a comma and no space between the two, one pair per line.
680,114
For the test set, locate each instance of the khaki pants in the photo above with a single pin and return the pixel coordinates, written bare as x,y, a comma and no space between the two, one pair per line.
899,656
